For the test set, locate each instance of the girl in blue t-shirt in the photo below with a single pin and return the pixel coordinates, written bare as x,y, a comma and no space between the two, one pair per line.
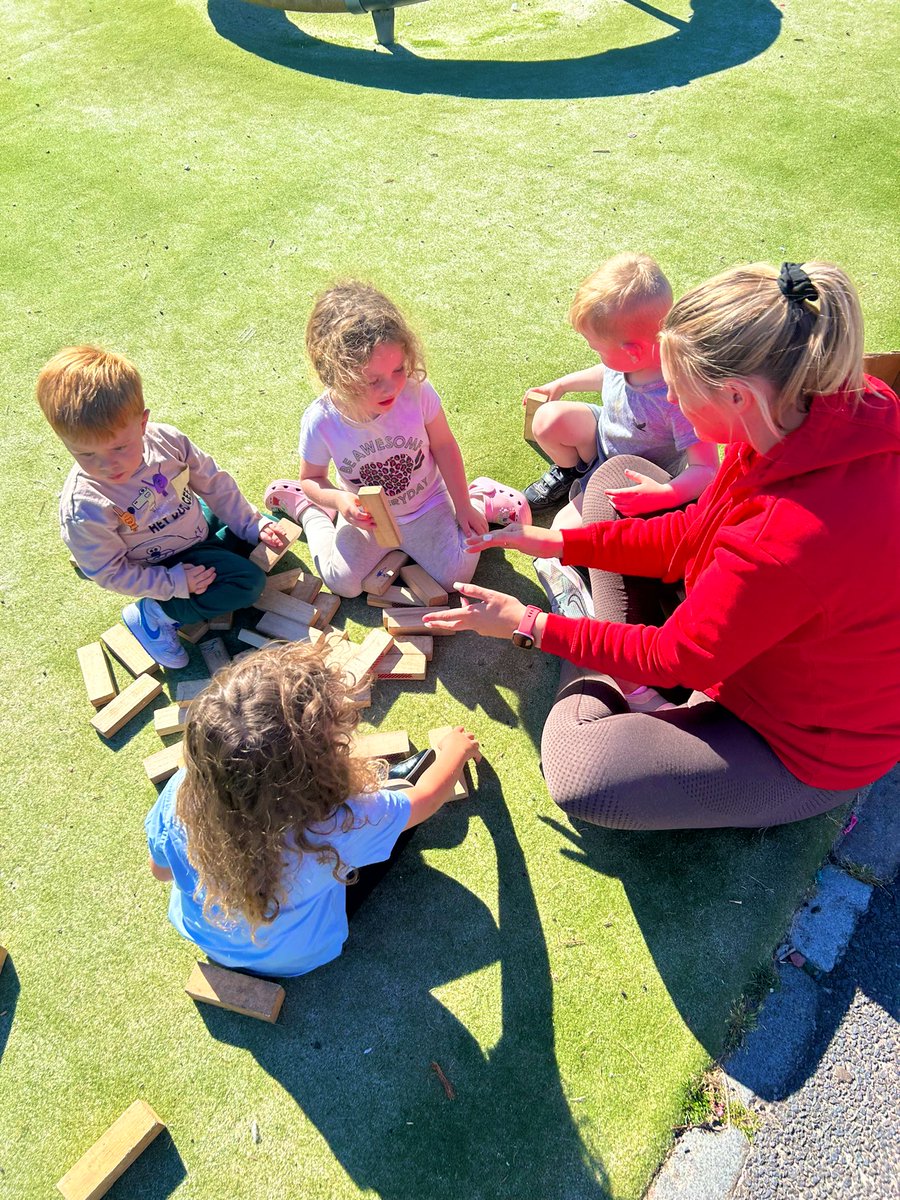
272,817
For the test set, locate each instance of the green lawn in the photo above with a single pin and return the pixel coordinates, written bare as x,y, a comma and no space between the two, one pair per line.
177,180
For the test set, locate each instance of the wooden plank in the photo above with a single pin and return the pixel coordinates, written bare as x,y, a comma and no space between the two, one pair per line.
286,606
307,587
376,505
128,650
341,652
189,689
533,401
165,762
215,655
374,646
251,637
222,623
194,632
276,626
415,645
394,597
401,666
326,606
421,584
235,991
127,704
884,366
385,573
98,678
167,721
284,581
460,788
265,557
382,745
112,1154
409,620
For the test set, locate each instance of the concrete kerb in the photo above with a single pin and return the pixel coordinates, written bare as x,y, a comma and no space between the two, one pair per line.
706,1165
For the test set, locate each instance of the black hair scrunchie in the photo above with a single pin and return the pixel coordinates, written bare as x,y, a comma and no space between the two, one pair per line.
796,287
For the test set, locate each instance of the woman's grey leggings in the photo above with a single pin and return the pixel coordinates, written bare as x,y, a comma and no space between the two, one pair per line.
693,767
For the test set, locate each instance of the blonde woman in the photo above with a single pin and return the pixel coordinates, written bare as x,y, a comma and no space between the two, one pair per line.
789,633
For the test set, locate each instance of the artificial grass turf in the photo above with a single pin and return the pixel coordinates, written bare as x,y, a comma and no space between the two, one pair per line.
178,180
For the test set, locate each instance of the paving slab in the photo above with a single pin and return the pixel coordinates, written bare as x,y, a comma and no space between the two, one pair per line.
702,1166
824,924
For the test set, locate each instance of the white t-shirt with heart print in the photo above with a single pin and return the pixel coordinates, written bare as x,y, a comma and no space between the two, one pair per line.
392,449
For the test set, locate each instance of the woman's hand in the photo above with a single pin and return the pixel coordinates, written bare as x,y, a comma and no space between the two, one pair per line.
472,522
645,497
490,614
530,539
351,510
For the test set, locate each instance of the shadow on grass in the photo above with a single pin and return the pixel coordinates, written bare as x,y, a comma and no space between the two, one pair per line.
719,35
9,998
357,1038
155,1175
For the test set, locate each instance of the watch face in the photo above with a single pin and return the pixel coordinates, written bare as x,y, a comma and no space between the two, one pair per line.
523,640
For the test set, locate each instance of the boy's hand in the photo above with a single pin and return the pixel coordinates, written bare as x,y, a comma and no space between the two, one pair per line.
530,539
198,578
472,522
352,511
270,535
645,497
555,390
462,744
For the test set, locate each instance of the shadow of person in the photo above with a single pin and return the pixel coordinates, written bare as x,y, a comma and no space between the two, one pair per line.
155,1175
9,998
719,35
711,905
357,1039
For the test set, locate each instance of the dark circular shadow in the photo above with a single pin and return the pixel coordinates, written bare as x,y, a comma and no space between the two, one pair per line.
720,34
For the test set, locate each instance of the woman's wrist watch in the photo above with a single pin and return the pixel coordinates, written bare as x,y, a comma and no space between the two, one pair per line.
523,637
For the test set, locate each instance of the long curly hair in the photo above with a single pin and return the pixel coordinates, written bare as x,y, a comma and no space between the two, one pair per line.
348,322
267,755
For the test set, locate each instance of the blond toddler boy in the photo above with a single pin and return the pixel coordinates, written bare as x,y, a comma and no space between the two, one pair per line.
143,510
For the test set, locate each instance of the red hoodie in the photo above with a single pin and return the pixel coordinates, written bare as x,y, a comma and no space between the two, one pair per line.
791,565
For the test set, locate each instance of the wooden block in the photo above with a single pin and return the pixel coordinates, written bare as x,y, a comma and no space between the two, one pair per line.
238,993
533,401
373,501
409,620
884,366
385,573
421,584
382,745
460,788
275,626
222,623
265,557
363,698
326,606
392,597
242,655
251,638
306,588
284,581
127,704
2,956
167,721
128,650
415,645
193,633
98,679
112,1154
272,601
341,652
189,689
215,655
163,763
374,646
401,666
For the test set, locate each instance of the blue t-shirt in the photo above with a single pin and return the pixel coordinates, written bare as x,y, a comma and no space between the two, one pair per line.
640,420
311,927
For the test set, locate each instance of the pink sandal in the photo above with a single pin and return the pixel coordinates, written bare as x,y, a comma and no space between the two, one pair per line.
502,504
288,497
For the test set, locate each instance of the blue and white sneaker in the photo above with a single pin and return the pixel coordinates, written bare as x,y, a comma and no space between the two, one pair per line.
566,590
156,632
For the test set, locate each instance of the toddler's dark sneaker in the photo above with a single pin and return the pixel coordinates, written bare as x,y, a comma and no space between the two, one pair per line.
411,768
567,592
552,487
156,632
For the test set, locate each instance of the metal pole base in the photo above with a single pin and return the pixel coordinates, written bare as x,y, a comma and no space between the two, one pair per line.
384,26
